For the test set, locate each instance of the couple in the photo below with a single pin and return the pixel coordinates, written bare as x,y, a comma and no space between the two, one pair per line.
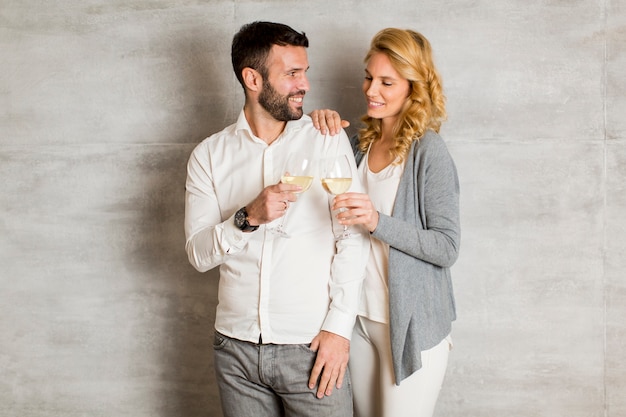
292,311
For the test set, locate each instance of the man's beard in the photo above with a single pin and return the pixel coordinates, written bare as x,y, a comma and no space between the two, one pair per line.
277,105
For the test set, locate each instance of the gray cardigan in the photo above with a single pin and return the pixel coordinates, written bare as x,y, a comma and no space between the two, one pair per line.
424,236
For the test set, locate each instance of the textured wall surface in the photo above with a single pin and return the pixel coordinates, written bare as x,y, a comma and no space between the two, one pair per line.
101,103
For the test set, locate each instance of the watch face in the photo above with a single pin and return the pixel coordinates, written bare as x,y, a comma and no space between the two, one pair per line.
240,218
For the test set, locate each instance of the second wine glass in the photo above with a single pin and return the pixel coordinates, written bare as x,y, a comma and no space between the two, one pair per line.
337,179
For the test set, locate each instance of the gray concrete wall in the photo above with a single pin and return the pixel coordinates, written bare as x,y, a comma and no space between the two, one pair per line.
101,103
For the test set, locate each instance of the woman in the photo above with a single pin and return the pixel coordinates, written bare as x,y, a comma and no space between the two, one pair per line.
399,349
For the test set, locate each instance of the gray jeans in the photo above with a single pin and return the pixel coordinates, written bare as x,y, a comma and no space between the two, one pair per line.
265,380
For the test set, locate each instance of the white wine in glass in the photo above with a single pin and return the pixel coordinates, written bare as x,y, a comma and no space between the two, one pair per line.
337,179
336,186
303,181
298,170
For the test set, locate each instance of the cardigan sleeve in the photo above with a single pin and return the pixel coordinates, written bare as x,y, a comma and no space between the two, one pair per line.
425,223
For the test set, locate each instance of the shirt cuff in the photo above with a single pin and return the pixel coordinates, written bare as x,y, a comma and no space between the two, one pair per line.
236,239
339,323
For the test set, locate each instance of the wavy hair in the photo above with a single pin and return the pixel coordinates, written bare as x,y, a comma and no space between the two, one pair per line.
410,54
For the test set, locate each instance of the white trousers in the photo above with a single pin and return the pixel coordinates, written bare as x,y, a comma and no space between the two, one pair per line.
374,390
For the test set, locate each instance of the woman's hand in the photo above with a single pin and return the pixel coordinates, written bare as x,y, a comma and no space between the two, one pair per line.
360,210
328,121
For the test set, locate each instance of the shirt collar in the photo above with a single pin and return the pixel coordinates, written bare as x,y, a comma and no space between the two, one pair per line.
292,125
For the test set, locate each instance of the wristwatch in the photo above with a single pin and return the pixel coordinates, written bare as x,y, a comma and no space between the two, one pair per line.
241,221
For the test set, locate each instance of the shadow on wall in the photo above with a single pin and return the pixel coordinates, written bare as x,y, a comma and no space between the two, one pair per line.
182,300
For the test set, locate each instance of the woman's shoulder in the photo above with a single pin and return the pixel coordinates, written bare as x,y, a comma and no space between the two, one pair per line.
431,138
430,141
431,146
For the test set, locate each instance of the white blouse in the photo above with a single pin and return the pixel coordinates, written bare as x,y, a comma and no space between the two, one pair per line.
382,188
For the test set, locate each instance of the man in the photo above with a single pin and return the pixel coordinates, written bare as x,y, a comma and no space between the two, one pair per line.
287,306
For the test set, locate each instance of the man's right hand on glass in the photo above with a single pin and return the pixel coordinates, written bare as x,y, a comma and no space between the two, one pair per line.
271,203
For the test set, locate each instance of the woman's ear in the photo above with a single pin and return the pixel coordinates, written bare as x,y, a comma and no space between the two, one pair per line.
252,79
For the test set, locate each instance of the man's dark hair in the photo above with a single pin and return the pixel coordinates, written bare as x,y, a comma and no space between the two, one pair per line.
252,44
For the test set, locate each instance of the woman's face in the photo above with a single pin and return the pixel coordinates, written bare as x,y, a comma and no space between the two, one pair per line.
385,89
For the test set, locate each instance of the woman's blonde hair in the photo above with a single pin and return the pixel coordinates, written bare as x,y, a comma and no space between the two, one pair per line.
410,54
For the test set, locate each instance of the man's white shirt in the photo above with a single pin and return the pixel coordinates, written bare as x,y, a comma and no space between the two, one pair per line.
285,289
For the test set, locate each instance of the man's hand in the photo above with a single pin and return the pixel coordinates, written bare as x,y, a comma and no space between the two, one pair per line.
271,203
333,352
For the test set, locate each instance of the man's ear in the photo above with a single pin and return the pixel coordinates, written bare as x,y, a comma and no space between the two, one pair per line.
252,79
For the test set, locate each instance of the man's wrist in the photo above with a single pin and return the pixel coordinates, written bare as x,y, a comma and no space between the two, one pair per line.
242,221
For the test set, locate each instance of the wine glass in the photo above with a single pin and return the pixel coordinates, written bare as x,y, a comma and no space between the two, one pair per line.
298,170
337,179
